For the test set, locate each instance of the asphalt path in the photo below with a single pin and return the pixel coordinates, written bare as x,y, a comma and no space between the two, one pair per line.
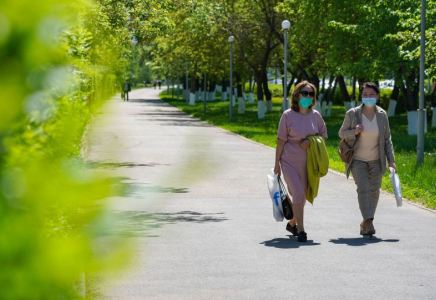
198,214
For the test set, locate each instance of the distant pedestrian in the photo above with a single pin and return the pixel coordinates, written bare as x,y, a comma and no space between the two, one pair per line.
126,89
154,83
159,82
296,125
367,128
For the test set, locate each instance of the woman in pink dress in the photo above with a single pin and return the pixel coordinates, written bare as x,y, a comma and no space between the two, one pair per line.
296,124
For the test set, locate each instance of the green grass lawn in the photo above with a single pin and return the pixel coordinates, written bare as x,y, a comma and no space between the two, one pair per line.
418,183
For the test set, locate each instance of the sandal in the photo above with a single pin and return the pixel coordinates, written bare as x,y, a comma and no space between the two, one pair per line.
370,230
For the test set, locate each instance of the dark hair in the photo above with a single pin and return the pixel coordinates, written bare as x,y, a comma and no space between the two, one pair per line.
295,95
370,85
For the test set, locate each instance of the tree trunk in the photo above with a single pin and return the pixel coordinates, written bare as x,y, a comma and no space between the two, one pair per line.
353,93
361,81
433,94
183,81
343,87
238,85
299,78
250,85
259,90
410,92
315,81
334,91
265,86
327,93
223,84
395,92
304,74
291,82
194,81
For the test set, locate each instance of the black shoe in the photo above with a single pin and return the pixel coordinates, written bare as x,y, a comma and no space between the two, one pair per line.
292,229
302,237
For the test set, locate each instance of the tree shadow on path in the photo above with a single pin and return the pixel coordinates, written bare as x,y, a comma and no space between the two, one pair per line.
289,243
164,114
154,102
115,165
141,223
361,241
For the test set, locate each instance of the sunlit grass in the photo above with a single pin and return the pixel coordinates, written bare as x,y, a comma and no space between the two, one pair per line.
417,182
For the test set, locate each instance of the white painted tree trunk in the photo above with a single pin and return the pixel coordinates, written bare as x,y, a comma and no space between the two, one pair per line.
329,111
317,107
269,106
433,118
228,91
391,108
241,106
284,103
191,99
250,97
353,104
233,100
218,88
412,121
197,96
347,105
224,96
244,96
186,95
320,96
261,110
211,96
323,108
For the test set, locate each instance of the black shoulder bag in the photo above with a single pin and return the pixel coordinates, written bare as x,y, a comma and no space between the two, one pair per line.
286,201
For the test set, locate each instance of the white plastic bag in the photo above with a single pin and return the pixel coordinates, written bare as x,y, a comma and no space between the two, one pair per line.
274,191
395,179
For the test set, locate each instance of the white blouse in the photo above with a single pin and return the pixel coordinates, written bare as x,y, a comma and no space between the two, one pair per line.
368,145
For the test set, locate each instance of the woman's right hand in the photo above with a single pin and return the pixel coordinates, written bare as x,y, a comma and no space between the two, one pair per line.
277,169
359,129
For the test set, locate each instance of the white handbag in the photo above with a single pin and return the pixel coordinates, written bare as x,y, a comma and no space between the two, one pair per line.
274,191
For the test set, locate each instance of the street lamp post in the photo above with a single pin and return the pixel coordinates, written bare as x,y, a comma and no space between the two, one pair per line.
204,92
285,25
421,116
231,40
187,88
178,90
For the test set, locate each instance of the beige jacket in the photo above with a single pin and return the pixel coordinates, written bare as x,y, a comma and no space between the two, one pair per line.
385,142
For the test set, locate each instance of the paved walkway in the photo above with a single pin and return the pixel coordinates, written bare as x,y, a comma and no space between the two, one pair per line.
199,213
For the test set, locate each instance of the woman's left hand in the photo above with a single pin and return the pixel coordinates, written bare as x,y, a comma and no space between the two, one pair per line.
305,144
393,166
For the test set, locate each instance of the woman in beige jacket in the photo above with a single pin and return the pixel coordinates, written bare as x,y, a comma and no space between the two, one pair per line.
367,126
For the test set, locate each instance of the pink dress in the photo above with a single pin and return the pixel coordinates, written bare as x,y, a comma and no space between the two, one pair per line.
293,128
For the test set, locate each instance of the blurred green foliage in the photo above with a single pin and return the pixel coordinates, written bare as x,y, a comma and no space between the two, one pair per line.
59,60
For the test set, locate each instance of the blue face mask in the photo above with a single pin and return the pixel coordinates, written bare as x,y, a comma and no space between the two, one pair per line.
305,102
369,101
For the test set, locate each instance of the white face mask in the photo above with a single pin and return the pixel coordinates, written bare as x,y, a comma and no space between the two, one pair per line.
370,101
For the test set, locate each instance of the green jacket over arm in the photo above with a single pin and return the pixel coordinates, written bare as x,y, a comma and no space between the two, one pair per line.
317,165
